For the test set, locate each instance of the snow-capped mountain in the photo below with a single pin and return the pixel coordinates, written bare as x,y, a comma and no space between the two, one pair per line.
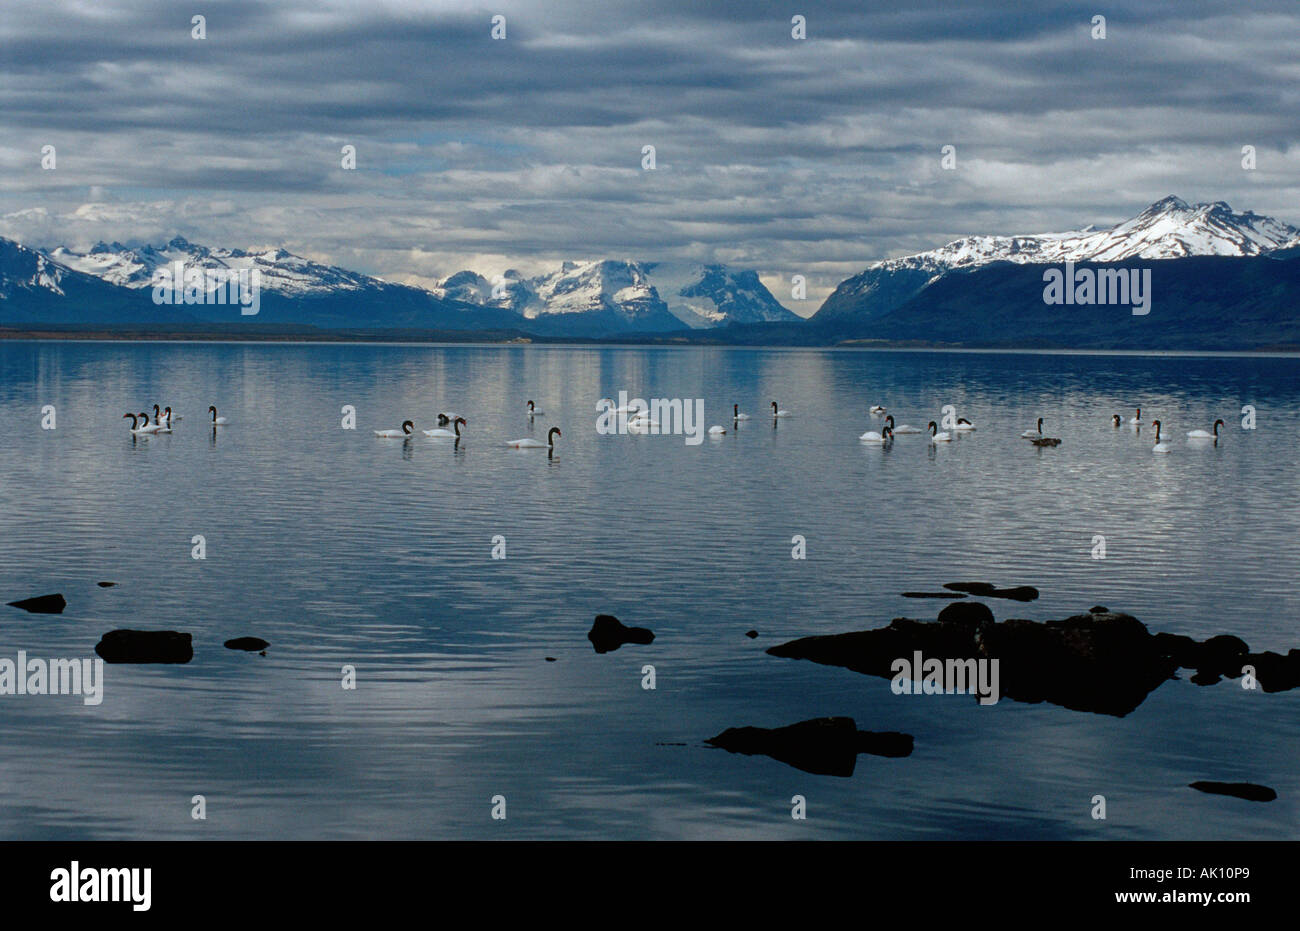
621,295
34,289
280,271
1168,229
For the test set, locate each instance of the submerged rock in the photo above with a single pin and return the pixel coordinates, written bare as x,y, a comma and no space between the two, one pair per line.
608,633
1245,790
988,590
42,604
145,646
822,746
751,634
251,644
934,595
105,584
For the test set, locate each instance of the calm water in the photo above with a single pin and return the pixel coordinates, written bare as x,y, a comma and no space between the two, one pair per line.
340,548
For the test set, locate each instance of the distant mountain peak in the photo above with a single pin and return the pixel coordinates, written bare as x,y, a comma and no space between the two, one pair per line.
1169,228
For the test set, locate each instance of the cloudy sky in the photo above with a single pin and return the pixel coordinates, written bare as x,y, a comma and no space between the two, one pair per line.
810,157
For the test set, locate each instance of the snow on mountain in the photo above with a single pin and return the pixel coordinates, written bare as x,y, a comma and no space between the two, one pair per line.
280,271
641,296
1168,229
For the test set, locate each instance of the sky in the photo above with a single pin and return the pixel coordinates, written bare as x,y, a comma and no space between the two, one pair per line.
810,157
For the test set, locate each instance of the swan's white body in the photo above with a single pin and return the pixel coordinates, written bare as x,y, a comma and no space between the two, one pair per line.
438,434
872,436
964,427
943,437
876,409
408,430
1160,447
217,421
716,430
908,428
1200,435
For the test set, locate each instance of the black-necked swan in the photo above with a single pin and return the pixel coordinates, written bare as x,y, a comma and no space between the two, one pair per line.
533,411
217,421
1206,434
1159,447
736,414
147,427
446,417
884,436
1136,419
138,430
1034,434
168,416
447,434
407,429
1114,419
936,436
530,443
778,412
905,428
964,425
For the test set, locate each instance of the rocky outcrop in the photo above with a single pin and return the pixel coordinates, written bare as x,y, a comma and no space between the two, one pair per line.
823,746
1103,661
608,633
42,604
1244,790
145,646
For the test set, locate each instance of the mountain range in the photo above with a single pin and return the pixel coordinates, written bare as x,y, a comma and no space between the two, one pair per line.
1219,279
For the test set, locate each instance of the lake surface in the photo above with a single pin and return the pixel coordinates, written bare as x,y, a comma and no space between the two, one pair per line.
343,549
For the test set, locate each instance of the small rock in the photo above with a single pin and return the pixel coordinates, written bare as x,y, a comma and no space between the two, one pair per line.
822,746
751,634
42,604
971,613
1099,609
550,659
608,633
251,644
1244,790
145,646
105,584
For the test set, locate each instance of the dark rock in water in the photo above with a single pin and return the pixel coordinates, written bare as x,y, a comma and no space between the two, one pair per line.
1274,672
251,644
1106,663
42,604
934,595
608,633
145,646
751,634
550,659
968,612
984,589
1019,593
105,584
1246,790
1183,650
822,746
1224,654
972,588
1099,609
